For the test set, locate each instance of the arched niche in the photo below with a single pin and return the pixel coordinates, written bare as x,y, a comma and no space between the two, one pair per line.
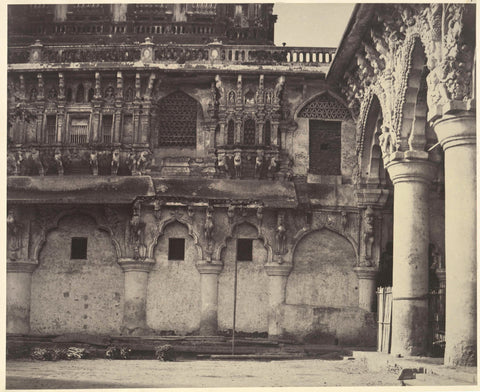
173,294
322,274
72,293
252,283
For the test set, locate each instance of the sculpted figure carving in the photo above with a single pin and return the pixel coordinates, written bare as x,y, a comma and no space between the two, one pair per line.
220,89
37,161
14,230
208,229
368,234
259,163
273,167
58,161
281,234
94,162
137,231
237,164
115,162
277,92
231,97
231,213
131,163
222,163
143,162
388,141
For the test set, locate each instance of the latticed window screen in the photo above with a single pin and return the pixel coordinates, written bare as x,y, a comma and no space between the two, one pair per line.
51,129
267,132
231,132
79,131
325,147
177,120
249,132
107,122
325,107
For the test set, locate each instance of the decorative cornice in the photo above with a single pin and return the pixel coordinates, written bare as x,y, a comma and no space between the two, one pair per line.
21,267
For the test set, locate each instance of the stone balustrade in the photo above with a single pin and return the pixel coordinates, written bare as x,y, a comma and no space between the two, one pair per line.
213,53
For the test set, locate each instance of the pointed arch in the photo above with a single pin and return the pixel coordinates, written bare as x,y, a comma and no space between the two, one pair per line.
54,225
231,234
161,230
325,105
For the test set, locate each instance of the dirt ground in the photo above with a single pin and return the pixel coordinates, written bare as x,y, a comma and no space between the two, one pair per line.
103,373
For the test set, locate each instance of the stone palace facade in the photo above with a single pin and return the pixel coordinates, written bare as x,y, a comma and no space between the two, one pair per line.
156,151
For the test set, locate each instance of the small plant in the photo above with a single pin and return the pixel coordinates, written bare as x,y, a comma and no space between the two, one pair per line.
165,353
76,353
116,352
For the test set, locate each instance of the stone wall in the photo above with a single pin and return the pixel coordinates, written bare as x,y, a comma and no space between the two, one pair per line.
173,300
77,295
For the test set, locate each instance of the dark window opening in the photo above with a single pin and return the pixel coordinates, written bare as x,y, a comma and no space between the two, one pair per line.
325,147
107,122
231,133
177,120
91,93
69,95
176,249
244,249
267,133
51,128
80,94
249,132
79,248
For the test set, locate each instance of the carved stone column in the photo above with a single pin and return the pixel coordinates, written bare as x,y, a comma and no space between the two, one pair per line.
135,306
278,275
373,200
411,177
19,282
456,134
366,287
209,296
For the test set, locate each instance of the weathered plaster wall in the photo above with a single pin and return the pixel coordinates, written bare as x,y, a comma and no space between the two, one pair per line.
77,295
173,295
252,286
349,158
322,292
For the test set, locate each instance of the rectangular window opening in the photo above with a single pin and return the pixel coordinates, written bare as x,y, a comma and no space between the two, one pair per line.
79,248
51,129
176,249
244,249
79,130
107,123
325,147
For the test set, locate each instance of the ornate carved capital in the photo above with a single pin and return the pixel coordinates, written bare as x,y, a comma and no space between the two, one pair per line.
274,269
369,273
134,265
205,267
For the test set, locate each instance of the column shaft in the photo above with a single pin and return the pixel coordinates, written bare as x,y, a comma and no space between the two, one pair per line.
209,297
457,137
411,179
277,281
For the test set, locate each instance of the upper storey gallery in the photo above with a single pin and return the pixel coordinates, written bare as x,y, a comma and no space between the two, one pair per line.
129,23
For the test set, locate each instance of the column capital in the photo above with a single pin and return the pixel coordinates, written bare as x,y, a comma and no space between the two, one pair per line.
213,268
411,170
129,265
369,273
456,129
21,266
375,198
274,269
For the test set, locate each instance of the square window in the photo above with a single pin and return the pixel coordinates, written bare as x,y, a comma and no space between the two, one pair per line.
244,249
79,248
176,249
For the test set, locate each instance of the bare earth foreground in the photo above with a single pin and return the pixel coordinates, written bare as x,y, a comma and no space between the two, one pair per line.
102,373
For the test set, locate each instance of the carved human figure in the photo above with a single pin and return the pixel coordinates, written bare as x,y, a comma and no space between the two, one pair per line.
157,209
368,233
231,97
260,214
273,167
259,160
222,163
208,229
137,231
219,89
115,162
14,230
388,141
58,161
237,164
231,213
35,154
277,92
94,162
109,93
143,162
131,163
281,234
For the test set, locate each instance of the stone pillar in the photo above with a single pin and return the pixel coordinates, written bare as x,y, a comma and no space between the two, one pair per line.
456,134
277,274
19,281
135,305
209,296
411,178
366,287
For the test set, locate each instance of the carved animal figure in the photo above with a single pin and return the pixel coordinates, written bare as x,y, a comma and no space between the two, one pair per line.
259,164
143,162
272,167
94,162
237,163
58,161
115,162
37,161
